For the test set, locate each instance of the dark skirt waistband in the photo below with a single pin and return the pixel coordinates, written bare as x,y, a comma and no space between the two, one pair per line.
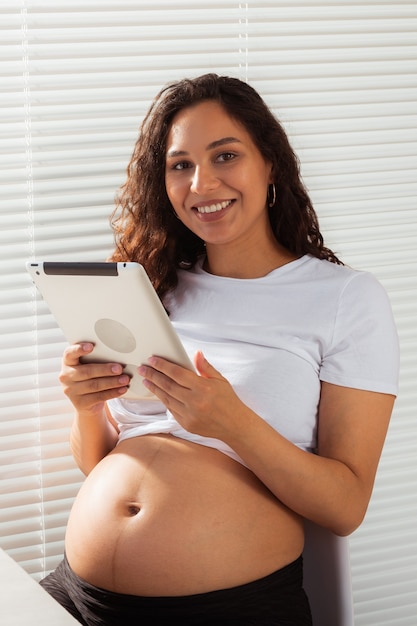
277,599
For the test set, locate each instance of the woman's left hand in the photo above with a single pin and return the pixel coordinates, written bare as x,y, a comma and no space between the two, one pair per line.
204,403
331,488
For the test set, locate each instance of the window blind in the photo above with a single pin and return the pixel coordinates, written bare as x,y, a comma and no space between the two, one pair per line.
76,79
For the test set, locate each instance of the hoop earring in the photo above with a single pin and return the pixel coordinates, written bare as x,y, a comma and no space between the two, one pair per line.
271,201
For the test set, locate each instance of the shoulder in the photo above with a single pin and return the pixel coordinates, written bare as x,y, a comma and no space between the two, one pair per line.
355,296
341,281
363,351
327,271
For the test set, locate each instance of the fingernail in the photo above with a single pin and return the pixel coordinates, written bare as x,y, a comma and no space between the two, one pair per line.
116,369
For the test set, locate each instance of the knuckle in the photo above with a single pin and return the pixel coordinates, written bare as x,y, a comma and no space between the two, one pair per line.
67,392
168,386
94,385
88,370
65,382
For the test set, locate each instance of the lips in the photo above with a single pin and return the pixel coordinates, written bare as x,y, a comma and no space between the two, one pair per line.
214,207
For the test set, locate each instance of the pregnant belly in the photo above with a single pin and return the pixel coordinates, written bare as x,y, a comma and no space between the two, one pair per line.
163,516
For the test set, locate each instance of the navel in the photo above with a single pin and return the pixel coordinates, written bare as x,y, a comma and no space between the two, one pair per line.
133,509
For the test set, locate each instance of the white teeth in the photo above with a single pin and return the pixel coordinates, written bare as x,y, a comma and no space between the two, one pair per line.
212,208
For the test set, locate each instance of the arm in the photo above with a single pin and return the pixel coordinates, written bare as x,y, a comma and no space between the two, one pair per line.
94,433
92,438
332,488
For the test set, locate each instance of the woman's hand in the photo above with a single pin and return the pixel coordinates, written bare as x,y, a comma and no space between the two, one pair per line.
203,404
94,433
331,488
89,385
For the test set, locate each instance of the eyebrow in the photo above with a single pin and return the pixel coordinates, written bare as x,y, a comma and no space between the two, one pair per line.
214,144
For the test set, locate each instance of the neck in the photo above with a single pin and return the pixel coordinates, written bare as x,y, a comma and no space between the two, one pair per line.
246,263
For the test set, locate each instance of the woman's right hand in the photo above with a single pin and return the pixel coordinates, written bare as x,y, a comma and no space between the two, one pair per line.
89,385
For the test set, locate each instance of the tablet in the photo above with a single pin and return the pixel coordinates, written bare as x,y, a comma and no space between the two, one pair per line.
114,306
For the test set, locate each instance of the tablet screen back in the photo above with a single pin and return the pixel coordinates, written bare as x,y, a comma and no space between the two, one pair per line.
114,306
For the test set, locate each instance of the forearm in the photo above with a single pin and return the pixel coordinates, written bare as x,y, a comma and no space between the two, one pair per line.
331,488
92,438
323,490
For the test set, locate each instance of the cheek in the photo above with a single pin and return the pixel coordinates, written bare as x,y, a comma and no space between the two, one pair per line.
174,189
251,178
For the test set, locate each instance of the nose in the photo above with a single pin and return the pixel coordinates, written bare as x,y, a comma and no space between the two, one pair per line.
203,180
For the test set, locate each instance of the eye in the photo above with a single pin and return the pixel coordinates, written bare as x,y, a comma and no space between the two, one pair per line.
180,165
226,156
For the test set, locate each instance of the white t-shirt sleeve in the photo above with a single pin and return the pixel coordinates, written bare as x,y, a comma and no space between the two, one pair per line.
363,352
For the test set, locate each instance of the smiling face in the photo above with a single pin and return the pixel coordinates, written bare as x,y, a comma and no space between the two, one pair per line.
216,178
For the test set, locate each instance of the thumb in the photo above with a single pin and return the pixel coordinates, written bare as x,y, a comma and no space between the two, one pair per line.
204,368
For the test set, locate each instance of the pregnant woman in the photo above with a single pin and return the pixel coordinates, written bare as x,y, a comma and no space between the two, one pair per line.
193,506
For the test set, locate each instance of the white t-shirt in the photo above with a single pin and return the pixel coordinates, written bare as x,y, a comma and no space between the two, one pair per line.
275,338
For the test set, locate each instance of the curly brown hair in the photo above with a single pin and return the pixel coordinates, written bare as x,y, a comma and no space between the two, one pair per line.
145,227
